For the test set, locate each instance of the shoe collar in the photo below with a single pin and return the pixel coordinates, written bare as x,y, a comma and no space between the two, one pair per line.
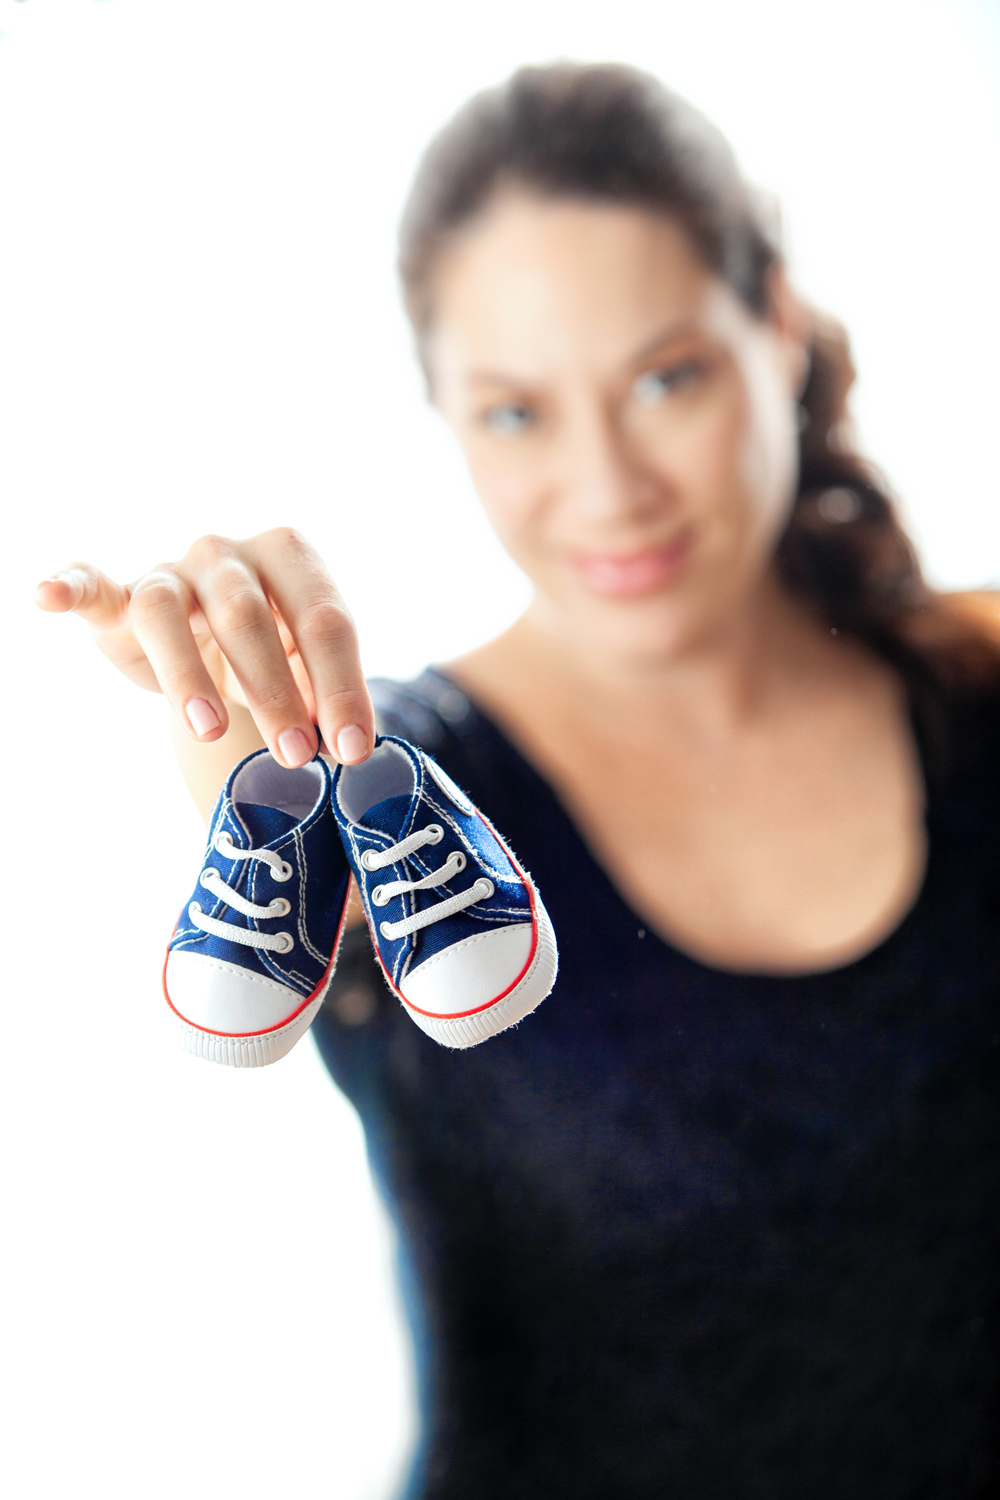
395,768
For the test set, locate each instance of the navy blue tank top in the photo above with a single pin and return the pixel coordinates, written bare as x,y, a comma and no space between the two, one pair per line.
686,1234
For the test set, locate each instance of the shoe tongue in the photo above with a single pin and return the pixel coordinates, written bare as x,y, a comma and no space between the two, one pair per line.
264,824
388,816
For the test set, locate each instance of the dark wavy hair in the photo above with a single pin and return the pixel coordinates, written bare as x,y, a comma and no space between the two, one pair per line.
613,134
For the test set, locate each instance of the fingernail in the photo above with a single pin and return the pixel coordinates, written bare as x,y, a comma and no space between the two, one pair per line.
352,744
53,578
295,748
201,715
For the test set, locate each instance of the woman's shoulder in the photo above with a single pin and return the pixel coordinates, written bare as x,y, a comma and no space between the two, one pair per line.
958,731
429,710
434,713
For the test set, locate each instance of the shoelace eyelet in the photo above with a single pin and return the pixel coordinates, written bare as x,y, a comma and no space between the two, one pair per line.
212,880
482,890
275,942
223,844
453,865
375,859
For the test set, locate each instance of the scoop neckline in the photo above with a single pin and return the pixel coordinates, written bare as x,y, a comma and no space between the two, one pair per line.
869,956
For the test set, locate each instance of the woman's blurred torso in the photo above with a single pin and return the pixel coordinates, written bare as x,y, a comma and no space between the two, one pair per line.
694,1232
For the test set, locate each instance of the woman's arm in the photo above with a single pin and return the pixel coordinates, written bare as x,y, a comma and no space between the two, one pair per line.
206,768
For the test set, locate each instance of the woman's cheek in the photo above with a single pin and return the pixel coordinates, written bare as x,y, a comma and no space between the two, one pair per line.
511,508
744,463
705,466
769,459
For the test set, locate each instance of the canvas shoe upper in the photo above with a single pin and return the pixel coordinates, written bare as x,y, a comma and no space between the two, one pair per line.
459,928
254,948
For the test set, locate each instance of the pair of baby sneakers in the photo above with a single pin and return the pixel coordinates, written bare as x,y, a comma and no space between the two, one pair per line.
458,927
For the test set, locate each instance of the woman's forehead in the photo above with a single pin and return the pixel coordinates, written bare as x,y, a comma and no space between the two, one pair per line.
536,283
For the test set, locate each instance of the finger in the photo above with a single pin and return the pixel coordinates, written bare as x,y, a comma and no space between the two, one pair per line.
104,605
90,593
296,663
55,594
323,631
159,615
240,618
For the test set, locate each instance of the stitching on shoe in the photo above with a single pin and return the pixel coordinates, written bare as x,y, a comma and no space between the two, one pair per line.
385,841
266,958
423,865
490,869
300,917
187,935
491,917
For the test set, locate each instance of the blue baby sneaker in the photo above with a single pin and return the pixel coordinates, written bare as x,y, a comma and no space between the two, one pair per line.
459,928
254,950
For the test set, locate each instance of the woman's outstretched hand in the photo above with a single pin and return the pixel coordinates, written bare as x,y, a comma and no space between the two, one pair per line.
259,622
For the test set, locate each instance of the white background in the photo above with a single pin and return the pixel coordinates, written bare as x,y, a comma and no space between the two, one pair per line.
199,330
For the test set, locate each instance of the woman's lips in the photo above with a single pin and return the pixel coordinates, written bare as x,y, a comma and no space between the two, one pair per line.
628,574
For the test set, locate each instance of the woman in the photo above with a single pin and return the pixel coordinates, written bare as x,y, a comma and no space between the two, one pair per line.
722,1217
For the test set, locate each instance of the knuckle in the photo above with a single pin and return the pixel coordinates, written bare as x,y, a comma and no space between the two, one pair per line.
210,549
274,700
86,572
326,622
178,680
287,536
344,699
240,612
154,595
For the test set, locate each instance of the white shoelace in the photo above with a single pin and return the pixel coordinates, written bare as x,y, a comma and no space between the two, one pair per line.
432,834
275,942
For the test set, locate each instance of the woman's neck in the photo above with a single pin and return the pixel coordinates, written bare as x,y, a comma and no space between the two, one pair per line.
718,681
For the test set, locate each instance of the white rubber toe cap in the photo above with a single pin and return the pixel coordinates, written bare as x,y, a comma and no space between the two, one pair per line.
216,996
485,983
470,974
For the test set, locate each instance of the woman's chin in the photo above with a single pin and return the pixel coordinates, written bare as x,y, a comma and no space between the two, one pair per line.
650,628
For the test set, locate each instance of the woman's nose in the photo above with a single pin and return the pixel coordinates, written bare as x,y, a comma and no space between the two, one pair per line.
604,479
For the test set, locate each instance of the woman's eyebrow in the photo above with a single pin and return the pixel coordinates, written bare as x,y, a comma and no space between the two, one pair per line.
495,377
668,335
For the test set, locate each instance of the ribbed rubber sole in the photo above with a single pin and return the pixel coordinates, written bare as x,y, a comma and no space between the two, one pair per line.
469,1031
251,1051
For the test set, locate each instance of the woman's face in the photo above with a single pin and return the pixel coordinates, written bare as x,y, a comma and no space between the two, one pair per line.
628,423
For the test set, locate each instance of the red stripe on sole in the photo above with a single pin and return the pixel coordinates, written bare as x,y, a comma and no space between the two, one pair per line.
278,1025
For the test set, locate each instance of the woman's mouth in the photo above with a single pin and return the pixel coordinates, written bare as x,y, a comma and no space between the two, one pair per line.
626,575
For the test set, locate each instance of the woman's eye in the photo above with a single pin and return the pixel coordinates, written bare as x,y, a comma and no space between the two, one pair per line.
654,385
509,419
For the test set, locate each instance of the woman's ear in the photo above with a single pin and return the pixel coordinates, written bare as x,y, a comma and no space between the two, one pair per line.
793,325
